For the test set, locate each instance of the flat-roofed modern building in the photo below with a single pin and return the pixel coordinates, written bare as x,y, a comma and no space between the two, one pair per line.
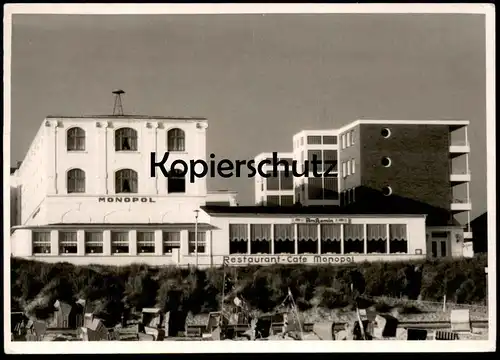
422,164
393,164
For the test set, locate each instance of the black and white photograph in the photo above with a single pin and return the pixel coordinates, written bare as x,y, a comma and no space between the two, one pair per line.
301,176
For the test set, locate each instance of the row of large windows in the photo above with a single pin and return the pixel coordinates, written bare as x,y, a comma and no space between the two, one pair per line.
120,242
308,239
125,139
318,140
126,181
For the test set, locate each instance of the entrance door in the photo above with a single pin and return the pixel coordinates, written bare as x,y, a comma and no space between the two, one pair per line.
439,244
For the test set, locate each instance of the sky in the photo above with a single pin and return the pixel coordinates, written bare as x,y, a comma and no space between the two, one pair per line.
258,79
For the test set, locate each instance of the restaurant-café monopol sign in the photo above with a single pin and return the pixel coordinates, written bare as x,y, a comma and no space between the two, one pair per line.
294,259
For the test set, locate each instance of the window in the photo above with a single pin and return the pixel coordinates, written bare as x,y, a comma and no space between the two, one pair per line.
286,182
385,132
353,166
201,240
41,242
348,139
176,182
75,140
330,239
68,243
176,140
119,242
284,242
353,239
314,140
273,183
344,169
75,181
126,139
348,167
329,140
301,141
443,249
171,241
331,189
398,239
93,243
343,141
238,239
330,160
260,239
315,189
307,239
286,200
126,181
352,137
386,161
145,242
319,159
387,191
376,237
273,200
434,249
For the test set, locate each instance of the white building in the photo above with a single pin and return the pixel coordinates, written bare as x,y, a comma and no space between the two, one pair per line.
85,194
274,190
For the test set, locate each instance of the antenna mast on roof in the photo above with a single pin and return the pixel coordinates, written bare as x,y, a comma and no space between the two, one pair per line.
118,108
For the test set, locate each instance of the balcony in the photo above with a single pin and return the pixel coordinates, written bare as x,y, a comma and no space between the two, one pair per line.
459,148
459,178
459,205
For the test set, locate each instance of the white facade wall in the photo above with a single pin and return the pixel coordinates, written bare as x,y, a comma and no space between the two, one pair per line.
32,177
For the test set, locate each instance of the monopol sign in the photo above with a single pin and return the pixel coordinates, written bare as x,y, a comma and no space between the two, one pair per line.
286,259
126,199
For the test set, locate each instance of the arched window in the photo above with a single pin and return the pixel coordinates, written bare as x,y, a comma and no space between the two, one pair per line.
126,139
75,139
76,181
176,140
126,181
176,182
